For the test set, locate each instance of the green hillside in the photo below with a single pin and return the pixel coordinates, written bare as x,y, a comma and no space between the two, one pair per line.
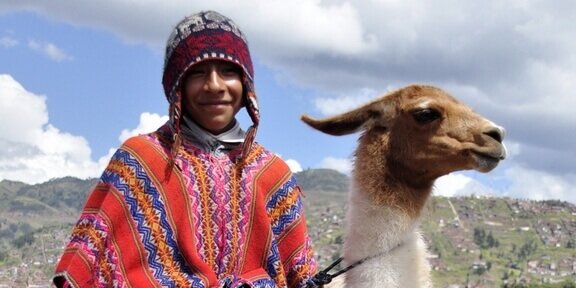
322,180
474,241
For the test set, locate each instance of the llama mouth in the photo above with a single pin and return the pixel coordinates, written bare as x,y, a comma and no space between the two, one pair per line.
485,162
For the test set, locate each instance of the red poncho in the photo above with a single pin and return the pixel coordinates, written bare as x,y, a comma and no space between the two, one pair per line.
205,222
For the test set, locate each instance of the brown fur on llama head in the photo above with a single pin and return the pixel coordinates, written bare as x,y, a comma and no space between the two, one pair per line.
411,137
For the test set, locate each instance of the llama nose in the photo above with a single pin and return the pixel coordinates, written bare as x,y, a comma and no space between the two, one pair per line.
497,133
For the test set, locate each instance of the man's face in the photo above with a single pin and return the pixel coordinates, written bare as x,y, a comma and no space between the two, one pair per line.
213,94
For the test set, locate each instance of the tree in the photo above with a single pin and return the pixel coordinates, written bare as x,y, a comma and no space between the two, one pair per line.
527,249
3,256
479,236
491,241
483,240
26,239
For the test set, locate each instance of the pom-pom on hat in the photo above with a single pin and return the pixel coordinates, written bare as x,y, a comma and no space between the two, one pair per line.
203,36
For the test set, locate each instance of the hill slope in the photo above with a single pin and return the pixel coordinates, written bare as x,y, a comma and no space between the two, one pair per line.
478,242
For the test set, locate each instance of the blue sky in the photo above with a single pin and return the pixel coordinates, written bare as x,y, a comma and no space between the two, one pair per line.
76,78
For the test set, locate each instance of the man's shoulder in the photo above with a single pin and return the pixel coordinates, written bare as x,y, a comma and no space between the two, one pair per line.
270,156
152,138
145,145
272,165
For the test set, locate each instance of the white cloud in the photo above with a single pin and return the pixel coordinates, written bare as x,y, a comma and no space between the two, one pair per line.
149,122
342,165
312,26
8,42
540,185
520,182
337,105
303,28
31,149
509,60
451,185
294,165
50,50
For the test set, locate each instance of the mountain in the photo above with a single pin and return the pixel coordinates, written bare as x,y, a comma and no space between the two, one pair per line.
8,187
57,196
322,180
473,241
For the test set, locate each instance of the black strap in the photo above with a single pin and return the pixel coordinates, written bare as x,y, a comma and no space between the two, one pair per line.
323,277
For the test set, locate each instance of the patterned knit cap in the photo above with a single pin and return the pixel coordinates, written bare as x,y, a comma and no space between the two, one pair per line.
207,35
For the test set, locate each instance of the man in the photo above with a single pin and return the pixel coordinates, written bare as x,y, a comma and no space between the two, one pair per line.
197,203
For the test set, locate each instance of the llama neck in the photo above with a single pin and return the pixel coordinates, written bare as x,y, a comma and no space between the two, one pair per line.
385,182
383,210
374,227
385,202
382,189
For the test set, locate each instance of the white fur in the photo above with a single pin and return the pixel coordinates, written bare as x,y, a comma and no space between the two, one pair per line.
392,237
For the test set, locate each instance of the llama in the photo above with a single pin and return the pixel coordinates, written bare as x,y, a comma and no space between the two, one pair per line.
409,138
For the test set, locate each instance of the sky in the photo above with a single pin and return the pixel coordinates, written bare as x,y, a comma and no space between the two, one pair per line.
79,77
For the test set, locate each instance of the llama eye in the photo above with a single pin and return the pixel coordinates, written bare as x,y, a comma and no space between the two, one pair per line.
426,116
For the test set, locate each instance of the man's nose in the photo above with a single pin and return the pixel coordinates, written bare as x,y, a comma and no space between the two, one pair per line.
214,81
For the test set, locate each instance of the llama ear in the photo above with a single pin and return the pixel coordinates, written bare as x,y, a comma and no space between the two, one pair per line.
348,122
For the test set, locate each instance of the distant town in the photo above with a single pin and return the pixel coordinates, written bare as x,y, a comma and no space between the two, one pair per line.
473,241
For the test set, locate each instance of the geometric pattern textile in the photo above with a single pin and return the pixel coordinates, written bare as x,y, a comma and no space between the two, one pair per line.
207,221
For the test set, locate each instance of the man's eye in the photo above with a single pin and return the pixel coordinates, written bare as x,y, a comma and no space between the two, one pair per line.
230,71
196,73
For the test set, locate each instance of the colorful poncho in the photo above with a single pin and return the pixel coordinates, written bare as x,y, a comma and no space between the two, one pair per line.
205,222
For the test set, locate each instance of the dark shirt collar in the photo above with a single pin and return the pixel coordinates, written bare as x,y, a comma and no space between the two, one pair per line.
225,141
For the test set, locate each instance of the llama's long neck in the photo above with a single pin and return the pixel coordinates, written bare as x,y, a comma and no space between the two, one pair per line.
373,228
384,181
384,209
387,236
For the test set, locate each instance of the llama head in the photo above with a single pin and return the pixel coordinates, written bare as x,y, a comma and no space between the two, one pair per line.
417,134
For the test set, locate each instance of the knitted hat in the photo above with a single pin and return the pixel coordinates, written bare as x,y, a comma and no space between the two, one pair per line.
207,35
